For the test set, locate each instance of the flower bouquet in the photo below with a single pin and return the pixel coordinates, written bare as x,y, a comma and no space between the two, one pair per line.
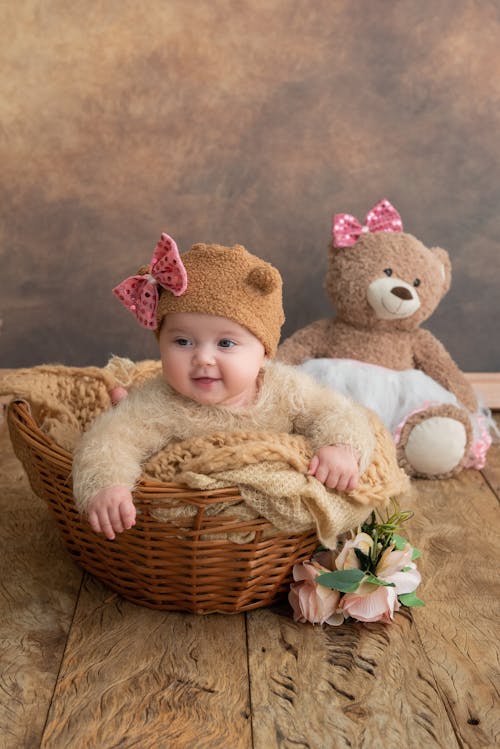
367,577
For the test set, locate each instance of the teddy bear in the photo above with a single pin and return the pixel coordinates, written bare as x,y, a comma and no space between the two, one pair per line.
383,284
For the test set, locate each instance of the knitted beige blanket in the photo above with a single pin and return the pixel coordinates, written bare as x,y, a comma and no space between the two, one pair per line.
270,470
64,400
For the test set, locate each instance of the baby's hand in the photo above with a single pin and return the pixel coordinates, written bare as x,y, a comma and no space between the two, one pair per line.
111,510
336,467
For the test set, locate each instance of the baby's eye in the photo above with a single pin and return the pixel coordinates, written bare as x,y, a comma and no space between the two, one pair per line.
183,341
226,343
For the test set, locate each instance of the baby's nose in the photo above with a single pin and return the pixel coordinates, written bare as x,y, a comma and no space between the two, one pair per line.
204,355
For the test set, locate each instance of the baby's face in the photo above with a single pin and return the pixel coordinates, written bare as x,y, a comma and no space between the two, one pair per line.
210,359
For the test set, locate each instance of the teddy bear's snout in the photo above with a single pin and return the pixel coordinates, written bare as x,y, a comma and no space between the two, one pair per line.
392,298
402,293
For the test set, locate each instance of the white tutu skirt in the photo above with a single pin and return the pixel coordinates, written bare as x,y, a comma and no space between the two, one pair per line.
395,396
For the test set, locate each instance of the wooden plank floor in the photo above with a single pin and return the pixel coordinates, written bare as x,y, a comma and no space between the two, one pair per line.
81,667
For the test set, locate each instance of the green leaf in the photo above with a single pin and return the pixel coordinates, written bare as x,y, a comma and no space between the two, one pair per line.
410,599
373,580
398,541
347,581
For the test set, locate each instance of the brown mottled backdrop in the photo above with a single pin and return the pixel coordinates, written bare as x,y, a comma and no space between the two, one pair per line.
246,121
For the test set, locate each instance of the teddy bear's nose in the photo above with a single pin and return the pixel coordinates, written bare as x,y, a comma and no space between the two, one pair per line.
401,292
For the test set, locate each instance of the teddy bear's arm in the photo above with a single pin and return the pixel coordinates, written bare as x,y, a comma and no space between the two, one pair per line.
432,358
306,343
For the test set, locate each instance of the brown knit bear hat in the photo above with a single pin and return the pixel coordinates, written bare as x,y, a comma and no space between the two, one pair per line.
230,282
209,279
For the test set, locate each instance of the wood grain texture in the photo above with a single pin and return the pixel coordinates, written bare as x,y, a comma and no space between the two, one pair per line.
351,686
133,677
80,667
456,528
38,588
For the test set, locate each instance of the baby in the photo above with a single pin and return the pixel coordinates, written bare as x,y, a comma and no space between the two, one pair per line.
217,314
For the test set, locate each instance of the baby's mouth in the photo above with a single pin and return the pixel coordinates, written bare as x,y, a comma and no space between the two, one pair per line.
205,380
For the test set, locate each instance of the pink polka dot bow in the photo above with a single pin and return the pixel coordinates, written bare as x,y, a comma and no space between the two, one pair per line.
139,293
347,229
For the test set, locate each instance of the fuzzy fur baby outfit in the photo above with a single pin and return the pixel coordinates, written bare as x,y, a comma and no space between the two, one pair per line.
120,439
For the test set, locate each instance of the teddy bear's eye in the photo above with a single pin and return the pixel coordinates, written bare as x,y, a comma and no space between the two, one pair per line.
388,271
416,282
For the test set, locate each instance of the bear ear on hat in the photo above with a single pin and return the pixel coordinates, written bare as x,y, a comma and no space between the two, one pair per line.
263,279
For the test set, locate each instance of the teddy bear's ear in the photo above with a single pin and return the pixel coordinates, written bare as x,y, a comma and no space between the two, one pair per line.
444,259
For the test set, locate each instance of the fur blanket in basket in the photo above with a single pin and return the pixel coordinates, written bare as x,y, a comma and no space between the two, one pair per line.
270,470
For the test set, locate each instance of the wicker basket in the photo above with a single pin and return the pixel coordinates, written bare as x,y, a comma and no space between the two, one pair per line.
164,565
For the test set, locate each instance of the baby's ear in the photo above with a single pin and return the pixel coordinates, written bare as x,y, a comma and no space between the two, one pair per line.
445,262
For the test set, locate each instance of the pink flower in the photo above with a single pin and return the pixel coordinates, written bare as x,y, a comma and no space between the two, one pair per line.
312,602
377,603
371,603
347,559
390,568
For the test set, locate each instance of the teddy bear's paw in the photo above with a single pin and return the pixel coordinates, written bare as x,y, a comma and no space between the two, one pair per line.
435,443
